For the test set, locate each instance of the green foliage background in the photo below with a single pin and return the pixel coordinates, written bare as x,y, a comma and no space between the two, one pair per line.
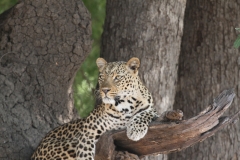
237,41
6,4
86,78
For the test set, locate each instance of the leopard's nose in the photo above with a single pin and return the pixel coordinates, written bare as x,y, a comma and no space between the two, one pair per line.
106,90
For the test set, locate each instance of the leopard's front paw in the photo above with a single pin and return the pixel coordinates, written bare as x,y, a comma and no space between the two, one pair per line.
136,131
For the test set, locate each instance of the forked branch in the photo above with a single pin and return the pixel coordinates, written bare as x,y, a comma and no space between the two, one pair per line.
165,137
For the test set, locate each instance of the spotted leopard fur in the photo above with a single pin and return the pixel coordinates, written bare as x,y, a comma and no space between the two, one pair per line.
126,103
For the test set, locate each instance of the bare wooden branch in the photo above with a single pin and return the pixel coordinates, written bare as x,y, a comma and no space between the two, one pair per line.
165,137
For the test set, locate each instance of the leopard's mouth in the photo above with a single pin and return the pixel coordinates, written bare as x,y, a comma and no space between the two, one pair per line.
108,100
106,97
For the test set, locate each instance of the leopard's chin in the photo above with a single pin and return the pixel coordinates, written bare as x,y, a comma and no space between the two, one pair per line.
107,100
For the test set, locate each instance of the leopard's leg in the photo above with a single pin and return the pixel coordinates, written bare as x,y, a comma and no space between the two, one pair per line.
137,127
86,149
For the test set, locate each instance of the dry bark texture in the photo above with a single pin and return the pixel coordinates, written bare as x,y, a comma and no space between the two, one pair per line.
209,64
152,31
42,44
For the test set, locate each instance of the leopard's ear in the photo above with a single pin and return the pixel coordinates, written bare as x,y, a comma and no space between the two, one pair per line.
101,63
133,64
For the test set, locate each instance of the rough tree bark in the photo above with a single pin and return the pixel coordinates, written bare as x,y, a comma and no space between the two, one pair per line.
208,64
151,31
42,44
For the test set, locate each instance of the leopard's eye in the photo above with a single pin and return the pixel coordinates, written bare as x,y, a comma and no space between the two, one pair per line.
101,77
117,78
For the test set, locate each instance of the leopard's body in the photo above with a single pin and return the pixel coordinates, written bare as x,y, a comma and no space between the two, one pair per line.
126,103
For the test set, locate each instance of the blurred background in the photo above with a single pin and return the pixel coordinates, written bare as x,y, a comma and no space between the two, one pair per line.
86,78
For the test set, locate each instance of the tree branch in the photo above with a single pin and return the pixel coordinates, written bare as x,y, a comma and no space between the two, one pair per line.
165,137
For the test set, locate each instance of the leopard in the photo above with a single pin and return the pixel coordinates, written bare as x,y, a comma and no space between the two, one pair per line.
126,103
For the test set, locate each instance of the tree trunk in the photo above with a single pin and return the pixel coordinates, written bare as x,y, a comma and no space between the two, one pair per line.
151,31
42,44
209,64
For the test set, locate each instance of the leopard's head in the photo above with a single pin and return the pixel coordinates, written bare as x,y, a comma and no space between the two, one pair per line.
117,79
